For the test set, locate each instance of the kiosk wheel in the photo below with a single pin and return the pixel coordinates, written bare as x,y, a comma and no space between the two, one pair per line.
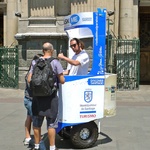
84,135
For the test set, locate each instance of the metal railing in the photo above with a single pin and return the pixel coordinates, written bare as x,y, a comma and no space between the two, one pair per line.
123,58
9,67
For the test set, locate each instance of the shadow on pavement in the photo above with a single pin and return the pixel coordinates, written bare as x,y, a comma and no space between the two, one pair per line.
106,139
66,143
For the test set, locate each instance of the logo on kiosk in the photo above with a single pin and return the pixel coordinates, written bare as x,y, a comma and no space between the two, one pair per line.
88,96
74,19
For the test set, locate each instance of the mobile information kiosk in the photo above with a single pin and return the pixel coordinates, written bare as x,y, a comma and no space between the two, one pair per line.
84,100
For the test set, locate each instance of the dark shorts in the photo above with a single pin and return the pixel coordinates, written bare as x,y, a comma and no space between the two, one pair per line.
45,107
38,121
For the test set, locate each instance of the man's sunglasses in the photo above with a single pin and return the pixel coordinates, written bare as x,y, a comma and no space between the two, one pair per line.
73,45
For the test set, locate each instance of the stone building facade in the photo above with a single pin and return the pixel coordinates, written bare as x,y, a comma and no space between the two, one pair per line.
29,23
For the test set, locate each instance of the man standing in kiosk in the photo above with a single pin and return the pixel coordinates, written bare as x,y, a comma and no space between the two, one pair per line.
79,63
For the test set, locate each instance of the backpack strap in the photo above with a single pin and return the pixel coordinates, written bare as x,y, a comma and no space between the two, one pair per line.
50,59
47,60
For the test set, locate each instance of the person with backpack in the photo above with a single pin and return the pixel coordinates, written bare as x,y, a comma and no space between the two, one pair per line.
79,63
43,77
28,106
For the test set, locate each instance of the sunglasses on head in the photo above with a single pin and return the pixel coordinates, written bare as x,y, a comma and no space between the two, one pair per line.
73,45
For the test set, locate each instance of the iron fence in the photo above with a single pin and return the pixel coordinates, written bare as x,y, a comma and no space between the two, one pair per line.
123,58
9,67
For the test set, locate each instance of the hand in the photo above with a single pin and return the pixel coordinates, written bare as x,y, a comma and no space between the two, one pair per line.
60,55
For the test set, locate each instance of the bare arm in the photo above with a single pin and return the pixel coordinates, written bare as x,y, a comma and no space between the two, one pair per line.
61,78
70,61
29,77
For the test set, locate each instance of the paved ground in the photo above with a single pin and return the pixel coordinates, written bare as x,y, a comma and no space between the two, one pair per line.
128,130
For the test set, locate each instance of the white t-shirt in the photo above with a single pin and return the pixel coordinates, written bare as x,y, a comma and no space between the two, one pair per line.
81,69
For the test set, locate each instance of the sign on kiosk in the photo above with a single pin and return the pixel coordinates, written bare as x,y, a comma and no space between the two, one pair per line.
81,98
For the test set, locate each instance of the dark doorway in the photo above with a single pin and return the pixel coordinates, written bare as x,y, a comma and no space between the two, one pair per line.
144,45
